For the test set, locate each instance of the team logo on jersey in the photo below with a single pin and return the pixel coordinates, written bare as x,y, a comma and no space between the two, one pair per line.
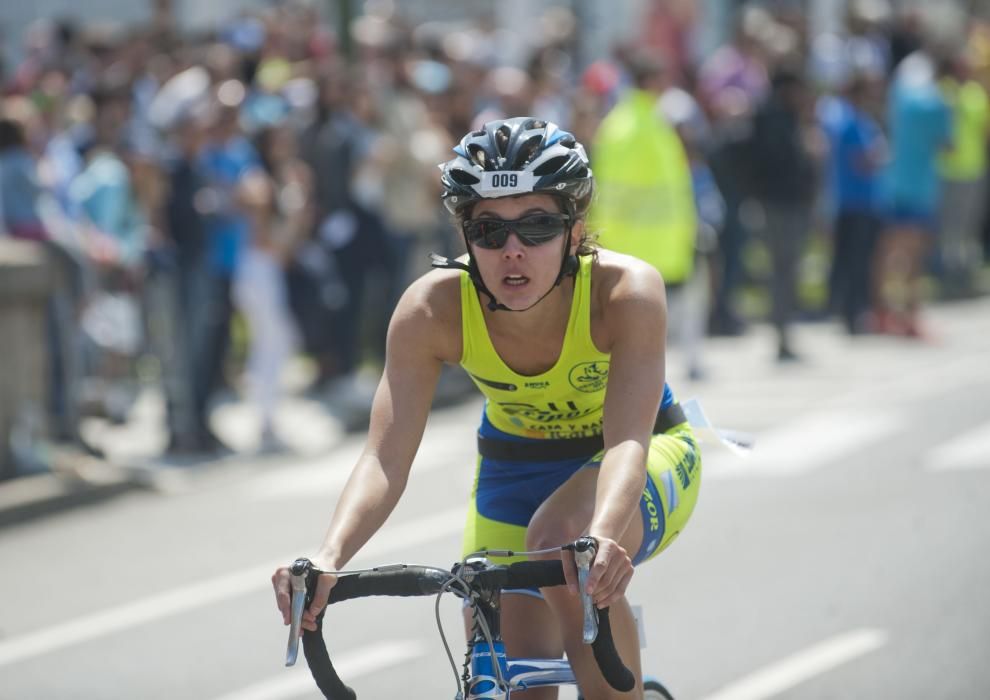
589,376
546,413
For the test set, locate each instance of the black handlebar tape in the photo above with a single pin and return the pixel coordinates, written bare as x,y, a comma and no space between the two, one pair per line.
614,671
539,574
408,581
320,665
420,581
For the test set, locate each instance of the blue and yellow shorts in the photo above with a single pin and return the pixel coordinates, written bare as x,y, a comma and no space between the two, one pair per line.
507,493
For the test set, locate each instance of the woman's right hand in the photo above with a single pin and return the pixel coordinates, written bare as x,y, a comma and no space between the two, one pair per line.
282,583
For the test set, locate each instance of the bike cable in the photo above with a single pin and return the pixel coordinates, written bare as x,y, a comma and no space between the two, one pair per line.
480,619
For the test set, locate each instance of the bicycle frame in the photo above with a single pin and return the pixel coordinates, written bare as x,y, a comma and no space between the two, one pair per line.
518,673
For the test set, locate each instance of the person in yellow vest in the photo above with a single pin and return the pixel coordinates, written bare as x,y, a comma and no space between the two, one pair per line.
645,206
580,434
963,169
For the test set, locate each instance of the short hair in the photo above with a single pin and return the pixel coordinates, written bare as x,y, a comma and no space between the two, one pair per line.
645,65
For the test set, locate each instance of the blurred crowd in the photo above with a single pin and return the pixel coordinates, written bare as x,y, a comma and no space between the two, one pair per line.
227,200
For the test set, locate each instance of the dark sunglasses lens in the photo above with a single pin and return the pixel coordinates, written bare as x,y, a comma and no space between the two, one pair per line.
536,230
532,230
487,234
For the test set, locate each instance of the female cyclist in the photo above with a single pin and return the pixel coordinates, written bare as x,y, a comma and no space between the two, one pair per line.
580,434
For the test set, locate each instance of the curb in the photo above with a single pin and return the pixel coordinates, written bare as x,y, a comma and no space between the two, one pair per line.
76,479
80,479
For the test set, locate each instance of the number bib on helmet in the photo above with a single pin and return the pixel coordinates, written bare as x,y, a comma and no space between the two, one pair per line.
503,184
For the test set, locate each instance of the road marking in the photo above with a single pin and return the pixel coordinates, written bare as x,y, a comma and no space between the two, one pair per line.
311,479
442,447
297,682
805,444
967,451
179,600
799,667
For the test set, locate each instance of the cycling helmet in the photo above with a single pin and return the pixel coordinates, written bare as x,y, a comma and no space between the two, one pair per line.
516,156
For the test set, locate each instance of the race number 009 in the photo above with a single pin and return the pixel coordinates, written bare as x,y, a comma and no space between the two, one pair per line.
505,180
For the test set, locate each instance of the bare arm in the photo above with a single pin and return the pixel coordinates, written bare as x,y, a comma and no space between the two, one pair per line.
637,318
398,418
414,357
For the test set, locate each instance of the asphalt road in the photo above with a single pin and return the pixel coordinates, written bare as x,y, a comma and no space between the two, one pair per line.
845,558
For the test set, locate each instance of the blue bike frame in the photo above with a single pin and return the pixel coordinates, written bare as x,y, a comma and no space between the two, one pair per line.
519,674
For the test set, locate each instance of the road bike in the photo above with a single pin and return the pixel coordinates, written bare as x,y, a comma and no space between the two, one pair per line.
488,673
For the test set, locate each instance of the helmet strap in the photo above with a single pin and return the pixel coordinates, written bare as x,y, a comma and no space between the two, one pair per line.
569,266
472,269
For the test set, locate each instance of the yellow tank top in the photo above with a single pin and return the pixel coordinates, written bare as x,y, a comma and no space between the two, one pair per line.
566,401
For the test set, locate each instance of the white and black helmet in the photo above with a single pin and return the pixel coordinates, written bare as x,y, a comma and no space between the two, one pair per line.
518,156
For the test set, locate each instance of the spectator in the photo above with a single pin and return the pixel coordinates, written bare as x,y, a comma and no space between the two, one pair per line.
278,197
690,304
963,172
645,205
411,143
784,184
190,280
105,204
919,124
19,188
226,159
731,83
857,152
323,298
103,193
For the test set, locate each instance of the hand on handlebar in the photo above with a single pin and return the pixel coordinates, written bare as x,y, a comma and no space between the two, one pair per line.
282,582
610,574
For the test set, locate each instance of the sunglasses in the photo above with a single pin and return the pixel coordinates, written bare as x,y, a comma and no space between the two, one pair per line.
491,234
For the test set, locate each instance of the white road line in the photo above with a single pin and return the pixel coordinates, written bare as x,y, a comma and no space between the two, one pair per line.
967,451
313,478
805,444
442,447
139,612
799,667
298,681
185,598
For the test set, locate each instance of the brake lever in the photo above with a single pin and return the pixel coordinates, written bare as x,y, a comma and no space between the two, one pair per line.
584,555
299,569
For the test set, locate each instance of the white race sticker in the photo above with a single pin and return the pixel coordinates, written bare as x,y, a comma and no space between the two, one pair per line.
501,184
736,441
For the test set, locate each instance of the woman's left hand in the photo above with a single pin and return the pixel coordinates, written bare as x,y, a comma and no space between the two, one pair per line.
610,573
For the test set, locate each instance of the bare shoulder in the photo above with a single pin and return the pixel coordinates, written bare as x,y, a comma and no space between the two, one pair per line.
622,280
429,315
628,299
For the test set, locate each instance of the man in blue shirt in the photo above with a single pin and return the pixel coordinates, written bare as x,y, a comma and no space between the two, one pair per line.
225,160
857,150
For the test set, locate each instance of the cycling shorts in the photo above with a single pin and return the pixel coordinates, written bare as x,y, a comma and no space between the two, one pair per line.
506,494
